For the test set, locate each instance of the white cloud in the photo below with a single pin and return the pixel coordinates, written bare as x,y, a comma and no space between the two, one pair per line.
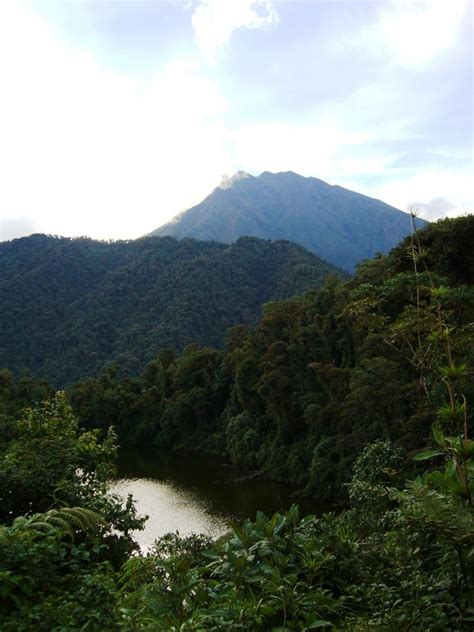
360,160
412,33
324,148
214,21
450,193
85,151
11,227
435,208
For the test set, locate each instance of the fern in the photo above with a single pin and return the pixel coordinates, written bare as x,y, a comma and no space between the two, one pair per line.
67,521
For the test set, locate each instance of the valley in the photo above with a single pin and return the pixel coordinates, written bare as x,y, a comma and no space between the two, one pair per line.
351,395
236,316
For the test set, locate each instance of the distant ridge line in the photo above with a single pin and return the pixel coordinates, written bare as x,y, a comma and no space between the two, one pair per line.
341,226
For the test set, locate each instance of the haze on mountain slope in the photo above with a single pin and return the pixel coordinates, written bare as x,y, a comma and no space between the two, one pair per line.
339,225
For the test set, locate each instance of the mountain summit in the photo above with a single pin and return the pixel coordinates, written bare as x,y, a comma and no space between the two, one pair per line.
228,181
339,225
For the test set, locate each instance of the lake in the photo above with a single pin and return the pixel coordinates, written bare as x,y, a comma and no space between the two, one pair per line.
196,494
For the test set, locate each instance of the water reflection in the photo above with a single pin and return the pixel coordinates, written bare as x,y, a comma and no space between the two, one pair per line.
169,509
196,494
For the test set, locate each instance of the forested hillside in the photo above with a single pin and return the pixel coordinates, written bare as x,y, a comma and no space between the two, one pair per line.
69,307
344,385
341,226
322,374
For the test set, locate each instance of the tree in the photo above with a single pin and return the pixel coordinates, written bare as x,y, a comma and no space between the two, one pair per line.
48,462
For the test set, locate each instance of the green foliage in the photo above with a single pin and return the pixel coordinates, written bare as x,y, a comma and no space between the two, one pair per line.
408,565
71,307
16,394
49,466
62,534
322,375
377,471
412,569
334,381
242,441
68,520
51,583
267,575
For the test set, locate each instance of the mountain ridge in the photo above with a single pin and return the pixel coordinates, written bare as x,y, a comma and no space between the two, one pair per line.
69,307
342,226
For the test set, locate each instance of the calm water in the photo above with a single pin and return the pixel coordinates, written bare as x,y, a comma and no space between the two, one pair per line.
195,494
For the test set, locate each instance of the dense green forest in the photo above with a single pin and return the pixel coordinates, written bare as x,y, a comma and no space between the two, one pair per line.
367,382
400,558
70,307
298,396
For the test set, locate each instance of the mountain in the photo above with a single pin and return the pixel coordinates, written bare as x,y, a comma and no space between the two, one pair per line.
339,225
69,307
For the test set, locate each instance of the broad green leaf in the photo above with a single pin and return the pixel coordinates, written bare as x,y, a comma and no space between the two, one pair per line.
427,454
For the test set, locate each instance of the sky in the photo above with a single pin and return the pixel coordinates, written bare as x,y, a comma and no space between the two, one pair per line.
117,114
